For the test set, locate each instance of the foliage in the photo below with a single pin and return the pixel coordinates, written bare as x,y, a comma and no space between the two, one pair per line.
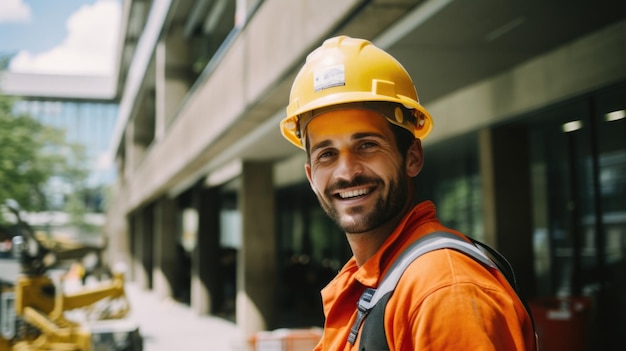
33,155
4,61
38,168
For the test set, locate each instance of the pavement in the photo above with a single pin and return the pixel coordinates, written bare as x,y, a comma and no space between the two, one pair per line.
167,325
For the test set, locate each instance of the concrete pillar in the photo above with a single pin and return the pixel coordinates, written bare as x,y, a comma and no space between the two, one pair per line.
165,236
143,246
147,243
173,77
256,273
118,250
133,151
205,285
133,268
504,163
139,135
139,274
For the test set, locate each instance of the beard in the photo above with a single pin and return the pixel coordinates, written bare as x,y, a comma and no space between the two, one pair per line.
388,204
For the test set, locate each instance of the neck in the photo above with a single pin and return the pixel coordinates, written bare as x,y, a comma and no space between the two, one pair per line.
365,245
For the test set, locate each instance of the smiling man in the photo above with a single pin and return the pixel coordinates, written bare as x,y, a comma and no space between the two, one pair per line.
354,110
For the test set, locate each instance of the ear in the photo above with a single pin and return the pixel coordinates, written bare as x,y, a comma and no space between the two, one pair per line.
307,170
414,158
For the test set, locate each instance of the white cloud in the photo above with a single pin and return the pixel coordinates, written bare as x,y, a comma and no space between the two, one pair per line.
14,11
89,48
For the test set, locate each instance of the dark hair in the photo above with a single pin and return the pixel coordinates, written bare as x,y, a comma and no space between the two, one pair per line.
404,139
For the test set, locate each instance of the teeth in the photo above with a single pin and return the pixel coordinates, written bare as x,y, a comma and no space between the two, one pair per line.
353,193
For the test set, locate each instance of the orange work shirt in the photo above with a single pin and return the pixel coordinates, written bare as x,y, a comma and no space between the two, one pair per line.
445,300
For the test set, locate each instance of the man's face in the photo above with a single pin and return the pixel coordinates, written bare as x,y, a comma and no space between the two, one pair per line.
356,170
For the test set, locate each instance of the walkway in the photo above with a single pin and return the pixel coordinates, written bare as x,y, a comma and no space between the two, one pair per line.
167,325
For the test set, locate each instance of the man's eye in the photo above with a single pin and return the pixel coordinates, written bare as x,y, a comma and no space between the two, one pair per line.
325,155
367,145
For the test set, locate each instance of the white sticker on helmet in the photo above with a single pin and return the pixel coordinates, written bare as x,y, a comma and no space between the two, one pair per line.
328,77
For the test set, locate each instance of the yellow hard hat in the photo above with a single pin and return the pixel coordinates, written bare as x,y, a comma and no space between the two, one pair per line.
347,70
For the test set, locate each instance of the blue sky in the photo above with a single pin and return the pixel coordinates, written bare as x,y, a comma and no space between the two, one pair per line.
60,36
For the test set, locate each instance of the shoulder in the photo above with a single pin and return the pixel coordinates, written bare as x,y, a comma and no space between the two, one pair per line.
446,267
445,274
443,292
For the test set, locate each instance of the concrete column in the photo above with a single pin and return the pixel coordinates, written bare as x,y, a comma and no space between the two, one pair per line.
139,275
504,162
256,273
147,243
173,77
143,247
165,235
138,136
133,151
118,251
133,268
205,287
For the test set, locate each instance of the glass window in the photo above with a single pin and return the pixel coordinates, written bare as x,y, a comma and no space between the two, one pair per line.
561,160
450,178
312,249
578,172
610,113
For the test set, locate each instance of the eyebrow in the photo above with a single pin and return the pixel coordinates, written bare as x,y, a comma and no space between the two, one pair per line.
355,136
320,145
363,135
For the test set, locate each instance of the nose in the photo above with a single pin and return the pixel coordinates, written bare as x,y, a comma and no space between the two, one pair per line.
348,166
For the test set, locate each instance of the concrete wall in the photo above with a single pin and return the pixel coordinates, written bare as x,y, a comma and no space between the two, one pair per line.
582,66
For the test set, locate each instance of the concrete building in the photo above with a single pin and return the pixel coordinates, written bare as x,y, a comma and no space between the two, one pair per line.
528,151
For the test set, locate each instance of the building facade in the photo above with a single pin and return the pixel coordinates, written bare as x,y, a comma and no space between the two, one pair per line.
528,151
86,109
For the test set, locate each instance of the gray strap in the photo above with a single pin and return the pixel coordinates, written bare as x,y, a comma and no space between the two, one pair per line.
375,338
430,242
427,243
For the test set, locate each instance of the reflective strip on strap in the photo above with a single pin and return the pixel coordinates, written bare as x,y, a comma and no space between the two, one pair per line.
438,240
427,243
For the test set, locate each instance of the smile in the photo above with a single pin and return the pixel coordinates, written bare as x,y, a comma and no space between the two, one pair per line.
353,193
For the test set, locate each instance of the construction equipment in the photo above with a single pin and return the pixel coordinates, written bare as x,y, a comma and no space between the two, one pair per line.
36,308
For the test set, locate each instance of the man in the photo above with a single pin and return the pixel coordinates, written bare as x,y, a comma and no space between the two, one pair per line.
354,110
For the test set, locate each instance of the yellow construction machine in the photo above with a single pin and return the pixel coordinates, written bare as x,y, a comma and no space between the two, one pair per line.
38,312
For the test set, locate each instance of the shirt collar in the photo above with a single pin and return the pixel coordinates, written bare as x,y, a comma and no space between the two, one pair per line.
369,273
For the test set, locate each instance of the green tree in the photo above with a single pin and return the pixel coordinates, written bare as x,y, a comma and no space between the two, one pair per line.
38,167
4,61
33,154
